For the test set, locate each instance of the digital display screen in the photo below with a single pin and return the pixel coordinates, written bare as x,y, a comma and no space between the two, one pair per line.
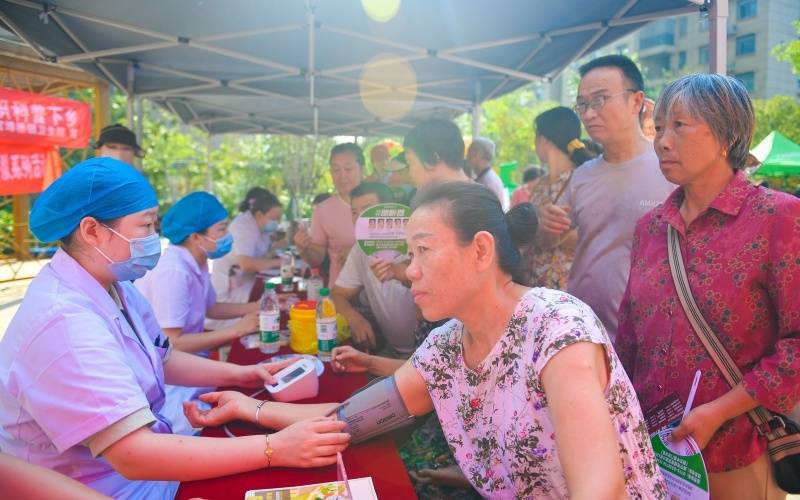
293,375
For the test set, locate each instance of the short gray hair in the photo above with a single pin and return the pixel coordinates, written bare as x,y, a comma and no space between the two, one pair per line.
720,101
485,145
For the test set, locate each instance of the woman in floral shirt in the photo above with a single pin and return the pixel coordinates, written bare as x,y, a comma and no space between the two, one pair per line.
525,383
741,248
559,146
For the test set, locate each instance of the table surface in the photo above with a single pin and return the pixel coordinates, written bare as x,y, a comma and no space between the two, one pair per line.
377,458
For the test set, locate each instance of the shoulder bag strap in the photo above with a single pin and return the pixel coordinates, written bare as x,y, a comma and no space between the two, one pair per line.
760,416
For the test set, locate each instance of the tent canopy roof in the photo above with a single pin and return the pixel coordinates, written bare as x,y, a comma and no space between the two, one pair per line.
300,67
778,156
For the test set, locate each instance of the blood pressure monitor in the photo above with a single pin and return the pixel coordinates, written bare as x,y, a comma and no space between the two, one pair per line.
299,380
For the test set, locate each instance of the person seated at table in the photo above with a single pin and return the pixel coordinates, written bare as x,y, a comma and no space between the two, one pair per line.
180,292
390,302
234,274
83,362
331,230
525,382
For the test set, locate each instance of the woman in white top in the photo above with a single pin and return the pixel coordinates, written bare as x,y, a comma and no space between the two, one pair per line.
234,274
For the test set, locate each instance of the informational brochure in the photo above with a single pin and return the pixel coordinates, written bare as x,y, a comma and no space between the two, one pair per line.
381,230
682,466
360,489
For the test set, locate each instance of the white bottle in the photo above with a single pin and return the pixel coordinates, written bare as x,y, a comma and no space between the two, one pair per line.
269,320
287,270
314,285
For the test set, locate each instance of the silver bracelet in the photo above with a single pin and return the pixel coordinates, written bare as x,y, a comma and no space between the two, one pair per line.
258,409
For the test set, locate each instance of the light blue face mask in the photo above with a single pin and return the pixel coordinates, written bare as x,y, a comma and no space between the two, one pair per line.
224,245
145,253
270,227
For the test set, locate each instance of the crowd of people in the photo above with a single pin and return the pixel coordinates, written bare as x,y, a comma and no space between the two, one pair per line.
536,329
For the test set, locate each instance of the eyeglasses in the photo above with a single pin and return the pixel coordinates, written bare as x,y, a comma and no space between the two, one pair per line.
597,102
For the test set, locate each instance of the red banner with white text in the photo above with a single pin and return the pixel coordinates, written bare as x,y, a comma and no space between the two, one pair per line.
41,120
27,169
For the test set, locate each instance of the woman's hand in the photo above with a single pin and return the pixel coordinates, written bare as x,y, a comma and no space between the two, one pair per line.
230,405
259,374
302,240
309,443
701,423
349,360
248,324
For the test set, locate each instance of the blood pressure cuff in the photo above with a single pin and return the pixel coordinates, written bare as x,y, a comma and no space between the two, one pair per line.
373,410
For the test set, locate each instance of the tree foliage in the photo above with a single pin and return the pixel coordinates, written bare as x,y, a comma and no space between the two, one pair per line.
790,51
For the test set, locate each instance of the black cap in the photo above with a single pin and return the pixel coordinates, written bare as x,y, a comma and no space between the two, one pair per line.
119,134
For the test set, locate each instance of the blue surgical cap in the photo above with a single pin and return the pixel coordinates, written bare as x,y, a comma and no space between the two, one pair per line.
103,188
193,213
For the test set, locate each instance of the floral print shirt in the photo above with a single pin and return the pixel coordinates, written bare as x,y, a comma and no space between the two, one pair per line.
549,267
742,258
496,418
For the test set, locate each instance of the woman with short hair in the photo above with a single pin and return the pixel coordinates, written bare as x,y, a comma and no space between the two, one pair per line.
740,244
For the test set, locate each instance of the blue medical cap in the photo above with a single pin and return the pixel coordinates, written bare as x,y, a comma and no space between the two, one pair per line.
103,188
193,213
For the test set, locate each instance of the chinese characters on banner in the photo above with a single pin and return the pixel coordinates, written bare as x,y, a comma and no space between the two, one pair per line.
32,128
27,169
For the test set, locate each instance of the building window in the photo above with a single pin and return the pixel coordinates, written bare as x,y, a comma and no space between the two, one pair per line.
656,40
682,23
681,59
746,45
703,22
746,9
748,79
702,55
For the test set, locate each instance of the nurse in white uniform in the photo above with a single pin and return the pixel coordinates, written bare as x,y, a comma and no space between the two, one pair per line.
83,362
234,274
180,292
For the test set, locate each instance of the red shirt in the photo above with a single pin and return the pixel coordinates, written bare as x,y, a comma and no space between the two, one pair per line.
742,257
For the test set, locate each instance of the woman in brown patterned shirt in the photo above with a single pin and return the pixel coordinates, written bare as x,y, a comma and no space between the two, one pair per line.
559,146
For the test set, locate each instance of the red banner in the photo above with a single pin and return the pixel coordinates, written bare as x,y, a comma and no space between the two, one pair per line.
27,169
40,120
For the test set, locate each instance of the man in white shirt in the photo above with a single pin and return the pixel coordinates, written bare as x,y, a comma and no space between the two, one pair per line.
390,301
480,156
607,195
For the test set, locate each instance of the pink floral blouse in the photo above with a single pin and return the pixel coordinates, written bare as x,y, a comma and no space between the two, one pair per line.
496,418
742,258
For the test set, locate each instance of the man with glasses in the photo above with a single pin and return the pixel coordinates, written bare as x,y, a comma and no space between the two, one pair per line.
607,195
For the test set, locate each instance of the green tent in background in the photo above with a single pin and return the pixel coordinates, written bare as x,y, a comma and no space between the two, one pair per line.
779,156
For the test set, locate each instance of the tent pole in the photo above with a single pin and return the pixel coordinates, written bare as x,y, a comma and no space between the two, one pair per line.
129,90
718,37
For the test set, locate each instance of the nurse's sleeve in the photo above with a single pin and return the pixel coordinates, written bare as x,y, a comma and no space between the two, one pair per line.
171,301
75,380
245,240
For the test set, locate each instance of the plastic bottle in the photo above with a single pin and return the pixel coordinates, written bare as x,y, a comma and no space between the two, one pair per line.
287,270
269,320
326,325
314,285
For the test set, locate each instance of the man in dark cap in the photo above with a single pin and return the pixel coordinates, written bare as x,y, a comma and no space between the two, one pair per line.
119,142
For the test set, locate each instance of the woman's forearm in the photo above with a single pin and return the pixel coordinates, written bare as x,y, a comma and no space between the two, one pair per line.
383,367
256,265
203,341
230,310
191,370
275,415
